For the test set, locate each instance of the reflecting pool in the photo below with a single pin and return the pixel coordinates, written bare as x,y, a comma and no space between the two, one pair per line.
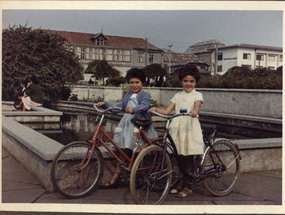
74,127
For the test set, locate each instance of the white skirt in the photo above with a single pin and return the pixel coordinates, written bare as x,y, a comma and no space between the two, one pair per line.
28,103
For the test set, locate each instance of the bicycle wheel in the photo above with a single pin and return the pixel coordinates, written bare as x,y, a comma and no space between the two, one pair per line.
65,176
174,164
225,168
149,182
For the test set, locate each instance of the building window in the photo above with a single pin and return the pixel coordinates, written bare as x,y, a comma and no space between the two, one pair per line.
100,54
115,55
150,58
120,56
271,57
220,56
140,57
93,53
220,68
281,58
248,66
109,54
260,57
246,56
127,55
271,67
82,56
99,42
88,53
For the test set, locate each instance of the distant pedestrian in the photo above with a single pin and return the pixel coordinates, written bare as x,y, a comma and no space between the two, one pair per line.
186,131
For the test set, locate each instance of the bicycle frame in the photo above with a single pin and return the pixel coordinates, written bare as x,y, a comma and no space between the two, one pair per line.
96,138
172,147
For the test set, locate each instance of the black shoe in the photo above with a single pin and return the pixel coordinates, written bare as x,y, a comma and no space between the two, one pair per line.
110,186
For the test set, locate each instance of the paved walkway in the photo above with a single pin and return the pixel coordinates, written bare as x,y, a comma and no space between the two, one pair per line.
253,189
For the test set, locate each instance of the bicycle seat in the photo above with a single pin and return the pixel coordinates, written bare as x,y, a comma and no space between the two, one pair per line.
141,122
208,128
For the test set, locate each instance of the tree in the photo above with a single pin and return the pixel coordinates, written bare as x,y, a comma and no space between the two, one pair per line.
27,52
155,71
102,69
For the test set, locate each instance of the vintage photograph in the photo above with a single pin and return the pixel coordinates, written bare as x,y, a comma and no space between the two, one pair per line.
154,108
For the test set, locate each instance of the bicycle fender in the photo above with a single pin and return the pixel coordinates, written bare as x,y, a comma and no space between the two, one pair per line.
97,148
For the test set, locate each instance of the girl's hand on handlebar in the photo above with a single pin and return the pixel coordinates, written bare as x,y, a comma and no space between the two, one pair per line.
153,109
194,113
129,110
100,104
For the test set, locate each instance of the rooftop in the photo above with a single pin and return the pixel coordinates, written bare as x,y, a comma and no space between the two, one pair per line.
111,41
183,58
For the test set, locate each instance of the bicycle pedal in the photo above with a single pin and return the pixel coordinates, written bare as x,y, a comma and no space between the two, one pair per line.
121,164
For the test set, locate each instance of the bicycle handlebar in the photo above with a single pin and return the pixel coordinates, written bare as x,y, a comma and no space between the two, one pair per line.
172,116
106,110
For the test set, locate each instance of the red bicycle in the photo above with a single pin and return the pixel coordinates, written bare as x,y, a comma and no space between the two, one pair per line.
78,167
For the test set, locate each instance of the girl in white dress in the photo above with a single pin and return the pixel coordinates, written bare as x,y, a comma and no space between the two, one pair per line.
186,131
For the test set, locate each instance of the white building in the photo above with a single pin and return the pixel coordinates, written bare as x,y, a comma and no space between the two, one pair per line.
243,55
251,56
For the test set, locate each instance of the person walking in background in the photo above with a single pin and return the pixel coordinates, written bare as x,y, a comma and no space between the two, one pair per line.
186,131
34,95
135,104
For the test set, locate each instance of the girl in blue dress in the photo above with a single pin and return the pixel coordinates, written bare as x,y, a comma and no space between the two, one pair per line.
135,104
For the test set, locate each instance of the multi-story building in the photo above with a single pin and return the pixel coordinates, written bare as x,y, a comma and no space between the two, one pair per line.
122,53
251,56
243,55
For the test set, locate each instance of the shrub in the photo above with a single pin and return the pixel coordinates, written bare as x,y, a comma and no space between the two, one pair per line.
117,81
244,78
173,81
73,97
65,93
153,103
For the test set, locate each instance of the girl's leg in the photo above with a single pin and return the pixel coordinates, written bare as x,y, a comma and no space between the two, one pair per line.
180,185
113,184
188,167
19,106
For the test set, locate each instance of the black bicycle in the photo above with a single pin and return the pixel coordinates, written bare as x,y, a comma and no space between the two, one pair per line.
153,171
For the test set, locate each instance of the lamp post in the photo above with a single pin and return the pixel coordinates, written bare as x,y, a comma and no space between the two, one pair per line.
169,58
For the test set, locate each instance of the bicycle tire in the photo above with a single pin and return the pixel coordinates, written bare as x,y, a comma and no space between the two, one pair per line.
175,168
221,183
65,177
145,187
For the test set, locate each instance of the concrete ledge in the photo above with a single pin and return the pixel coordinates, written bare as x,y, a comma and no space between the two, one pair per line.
37,114
39,144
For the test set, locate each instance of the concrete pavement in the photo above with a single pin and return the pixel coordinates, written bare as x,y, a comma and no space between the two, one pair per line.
253,189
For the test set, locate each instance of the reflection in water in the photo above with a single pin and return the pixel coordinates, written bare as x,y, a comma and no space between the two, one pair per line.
75,127
80,127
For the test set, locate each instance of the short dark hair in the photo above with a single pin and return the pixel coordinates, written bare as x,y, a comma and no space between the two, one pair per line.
24,82
189,69
34,79
135,73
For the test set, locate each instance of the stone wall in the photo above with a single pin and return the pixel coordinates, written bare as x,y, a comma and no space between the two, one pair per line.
259,103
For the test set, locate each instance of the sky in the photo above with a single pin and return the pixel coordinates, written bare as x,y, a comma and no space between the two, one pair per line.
162,28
